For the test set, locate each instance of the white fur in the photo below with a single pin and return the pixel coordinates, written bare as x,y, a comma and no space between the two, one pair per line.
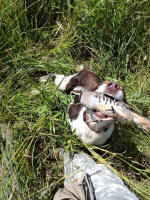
102,89
89,136
119,95
80,88
61,80
89,99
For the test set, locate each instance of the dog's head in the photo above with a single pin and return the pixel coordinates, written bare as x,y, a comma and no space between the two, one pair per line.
91,82
112,89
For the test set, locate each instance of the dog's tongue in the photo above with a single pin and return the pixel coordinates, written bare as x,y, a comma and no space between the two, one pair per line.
98,114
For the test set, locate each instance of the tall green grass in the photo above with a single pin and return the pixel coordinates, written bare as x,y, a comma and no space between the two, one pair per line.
44,37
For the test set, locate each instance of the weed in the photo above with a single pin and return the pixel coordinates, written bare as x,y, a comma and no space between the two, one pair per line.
46,37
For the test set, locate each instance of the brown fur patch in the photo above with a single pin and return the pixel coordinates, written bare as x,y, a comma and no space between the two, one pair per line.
84,78
74,110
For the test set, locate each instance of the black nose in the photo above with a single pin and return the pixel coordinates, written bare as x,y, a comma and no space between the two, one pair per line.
113,85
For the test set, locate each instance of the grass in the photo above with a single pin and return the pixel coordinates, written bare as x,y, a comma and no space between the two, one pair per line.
45,37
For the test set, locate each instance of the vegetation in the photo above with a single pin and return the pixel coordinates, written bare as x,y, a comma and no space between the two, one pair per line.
43,37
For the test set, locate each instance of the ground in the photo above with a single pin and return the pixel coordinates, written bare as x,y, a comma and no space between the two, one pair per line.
47,37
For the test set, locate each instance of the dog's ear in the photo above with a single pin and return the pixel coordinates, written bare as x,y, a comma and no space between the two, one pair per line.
74,111
72,83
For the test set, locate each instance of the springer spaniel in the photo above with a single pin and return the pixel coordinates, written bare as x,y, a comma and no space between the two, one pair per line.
91,126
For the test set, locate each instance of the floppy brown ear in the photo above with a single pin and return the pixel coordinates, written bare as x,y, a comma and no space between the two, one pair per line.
74,110
72,83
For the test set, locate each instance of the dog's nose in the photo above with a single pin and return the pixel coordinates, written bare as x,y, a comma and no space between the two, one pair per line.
113,85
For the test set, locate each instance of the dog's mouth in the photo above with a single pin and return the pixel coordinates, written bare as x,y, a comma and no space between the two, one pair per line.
97,114
110,96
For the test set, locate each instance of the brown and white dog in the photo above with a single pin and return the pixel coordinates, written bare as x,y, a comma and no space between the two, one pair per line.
91,126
